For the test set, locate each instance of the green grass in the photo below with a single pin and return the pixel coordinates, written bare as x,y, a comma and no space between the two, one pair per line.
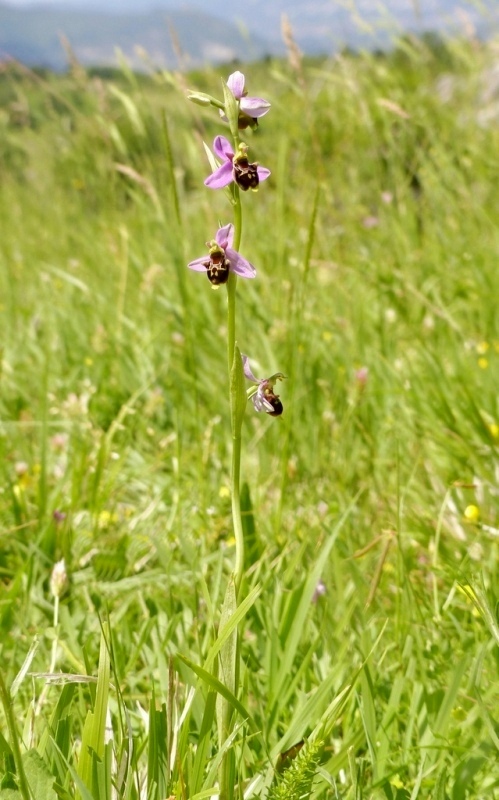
376,244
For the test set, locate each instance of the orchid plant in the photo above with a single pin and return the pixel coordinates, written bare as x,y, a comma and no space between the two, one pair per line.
233,170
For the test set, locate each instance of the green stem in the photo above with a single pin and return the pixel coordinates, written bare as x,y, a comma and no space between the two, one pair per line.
231,321
16,750
238,220
236,512
236,436
232,283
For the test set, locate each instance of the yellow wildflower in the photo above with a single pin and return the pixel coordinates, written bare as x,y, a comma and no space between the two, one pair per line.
472,513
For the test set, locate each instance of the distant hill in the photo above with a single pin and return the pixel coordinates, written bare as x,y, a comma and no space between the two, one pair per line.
33,36
216,30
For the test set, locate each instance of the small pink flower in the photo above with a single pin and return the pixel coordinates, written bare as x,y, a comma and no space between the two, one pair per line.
250,108
362,376
222,259
320,590
235,167
264,398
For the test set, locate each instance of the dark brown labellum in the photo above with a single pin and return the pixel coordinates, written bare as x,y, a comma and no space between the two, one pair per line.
217,268
276,404
245,174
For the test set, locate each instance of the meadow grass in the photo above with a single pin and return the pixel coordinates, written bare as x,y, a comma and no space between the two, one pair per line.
376,244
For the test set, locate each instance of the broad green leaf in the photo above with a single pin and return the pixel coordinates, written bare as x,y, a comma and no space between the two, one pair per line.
40,780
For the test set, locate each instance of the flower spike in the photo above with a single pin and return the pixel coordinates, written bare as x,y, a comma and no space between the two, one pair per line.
222,259
263,396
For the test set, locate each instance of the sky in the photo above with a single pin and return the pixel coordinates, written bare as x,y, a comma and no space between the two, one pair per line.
416,6
428,14
145,4
318,25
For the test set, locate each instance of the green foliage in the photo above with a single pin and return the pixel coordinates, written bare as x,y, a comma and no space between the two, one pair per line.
375,242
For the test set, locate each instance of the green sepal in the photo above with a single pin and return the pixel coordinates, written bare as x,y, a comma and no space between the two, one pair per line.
237,393
231,111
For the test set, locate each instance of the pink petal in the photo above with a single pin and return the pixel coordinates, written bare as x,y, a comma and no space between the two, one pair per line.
223,148
198,265
261,403
225,236
239,265
221,177
263,173
247,369
235,82
254,106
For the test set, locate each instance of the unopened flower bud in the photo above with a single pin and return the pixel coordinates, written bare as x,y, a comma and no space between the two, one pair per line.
200,98
59,580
